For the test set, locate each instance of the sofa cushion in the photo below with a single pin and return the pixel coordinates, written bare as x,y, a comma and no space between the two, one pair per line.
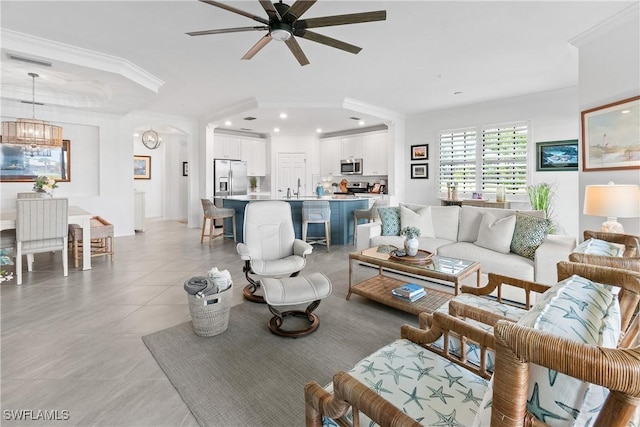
445,221
471,217
506,264
529,233
496,234
425,386
420,218
390,218
599,247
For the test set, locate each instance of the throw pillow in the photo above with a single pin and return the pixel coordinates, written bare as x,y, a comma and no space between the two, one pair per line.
496,234
420,219
599,247
529,233
390,218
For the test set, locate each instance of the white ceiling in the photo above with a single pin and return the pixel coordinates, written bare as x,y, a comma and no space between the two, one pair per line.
427,55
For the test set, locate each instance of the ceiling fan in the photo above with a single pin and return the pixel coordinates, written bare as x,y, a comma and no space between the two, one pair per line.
284,24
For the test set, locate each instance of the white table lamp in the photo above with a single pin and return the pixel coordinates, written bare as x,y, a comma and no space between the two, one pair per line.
612,201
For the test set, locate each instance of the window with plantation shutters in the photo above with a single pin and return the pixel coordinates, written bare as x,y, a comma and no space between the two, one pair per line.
504,158
458,159
480,159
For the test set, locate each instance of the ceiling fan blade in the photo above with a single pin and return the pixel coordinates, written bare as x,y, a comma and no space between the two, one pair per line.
256,47
227,30
234,10
297,9
351,18
319,38
295,48
270,9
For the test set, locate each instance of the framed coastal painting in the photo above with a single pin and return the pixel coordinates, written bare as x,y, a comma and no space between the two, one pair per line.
23,163
420,152
611,136
142,167
420,171
557,155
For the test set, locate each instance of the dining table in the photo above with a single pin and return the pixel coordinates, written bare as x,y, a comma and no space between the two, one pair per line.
76,215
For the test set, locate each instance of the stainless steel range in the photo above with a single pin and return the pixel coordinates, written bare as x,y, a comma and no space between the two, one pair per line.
358,187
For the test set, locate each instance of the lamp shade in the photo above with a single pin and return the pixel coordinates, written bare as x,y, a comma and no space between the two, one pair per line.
619,201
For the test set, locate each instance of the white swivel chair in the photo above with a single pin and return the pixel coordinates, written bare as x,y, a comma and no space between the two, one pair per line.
41,226
270,248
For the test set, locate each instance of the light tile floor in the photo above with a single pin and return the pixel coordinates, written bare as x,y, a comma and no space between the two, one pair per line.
74,343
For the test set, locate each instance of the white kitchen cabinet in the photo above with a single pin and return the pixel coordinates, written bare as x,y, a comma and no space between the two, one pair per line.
227,147
352,147
375,158
330,156
254,152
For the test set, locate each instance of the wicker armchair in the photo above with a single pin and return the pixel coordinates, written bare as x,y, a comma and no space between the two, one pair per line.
516,348
629,260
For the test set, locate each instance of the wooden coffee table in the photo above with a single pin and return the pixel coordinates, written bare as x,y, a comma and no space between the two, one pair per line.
378,288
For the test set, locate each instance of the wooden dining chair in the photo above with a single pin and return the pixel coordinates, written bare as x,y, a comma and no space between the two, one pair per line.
41,226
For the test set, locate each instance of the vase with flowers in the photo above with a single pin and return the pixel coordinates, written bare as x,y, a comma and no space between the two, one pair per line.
411,242
44,184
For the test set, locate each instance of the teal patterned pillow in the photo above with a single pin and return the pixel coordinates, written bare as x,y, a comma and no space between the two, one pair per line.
599,247
529,233
390,218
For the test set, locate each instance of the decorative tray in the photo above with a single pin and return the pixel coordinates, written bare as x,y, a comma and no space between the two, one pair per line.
422,257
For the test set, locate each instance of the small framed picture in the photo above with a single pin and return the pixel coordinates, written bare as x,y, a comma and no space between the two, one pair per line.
557,156
477,195
420,152
142,167
185,168
420,171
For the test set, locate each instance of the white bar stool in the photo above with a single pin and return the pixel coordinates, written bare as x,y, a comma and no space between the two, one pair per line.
317,211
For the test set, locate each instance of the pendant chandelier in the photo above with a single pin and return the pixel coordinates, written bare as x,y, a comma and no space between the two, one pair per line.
32,132
151,139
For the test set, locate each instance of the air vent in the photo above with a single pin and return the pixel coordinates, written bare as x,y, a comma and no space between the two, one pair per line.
355,118
246,129
29,60
31,102
249,118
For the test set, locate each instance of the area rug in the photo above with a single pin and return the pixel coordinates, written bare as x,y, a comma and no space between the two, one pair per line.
247,376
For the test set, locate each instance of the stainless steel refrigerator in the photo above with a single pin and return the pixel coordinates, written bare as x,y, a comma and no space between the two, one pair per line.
229,179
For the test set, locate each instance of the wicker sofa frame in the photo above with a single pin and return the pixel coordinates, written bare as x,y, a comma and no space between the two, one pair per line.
515,347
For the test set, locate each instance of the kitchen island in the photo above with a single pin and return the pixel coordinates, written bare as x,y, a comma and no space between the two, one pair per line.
342,208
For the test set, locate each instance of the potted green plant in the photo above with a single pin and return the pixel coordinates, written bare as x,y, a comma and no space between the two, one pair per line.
253,183
411,242
540,197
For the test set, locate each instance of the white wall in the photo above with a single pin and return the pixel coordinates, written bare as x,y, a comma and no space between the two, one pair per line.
552,116
608,75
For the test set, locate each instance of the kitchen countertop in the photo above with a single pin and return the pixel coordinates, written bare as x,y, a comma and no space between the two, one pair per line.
333,198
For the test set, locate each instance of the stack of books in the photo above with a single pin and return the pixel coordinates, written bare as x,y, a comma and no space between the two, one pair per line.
409,292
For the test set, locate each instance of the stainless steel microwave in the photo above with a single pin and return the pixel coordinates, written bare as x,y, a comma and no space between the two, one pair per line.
351,167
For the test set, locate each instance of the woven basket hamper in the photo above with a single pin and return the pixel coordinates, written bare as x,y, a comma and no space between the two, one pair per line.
210,315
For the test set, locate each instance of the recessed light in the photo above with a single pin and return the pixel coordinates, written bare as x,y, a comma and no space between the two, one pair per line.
276,129
283,115
228,123
136,134
625,111
319,130
361,123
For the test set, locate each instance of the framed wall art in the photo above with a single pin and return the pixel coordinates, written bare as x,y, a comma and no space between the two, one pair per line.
22,163
185,168
420,152
611,136
142,167
420,171
557,155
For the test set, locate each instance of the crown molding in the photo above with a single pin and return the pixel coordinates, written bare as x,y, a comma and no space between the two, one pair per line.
32,46
627,15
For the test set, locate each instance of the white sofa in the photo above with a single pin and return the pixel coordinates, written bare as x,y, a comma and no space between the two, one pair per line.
455,229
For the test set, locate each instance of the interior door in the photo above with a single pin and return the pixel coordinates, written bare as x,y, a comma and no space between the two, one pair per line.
292,168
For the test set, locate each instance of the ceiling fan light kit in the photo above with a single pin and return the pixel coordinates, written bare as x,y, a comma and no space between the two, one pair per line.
32,132
284,24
